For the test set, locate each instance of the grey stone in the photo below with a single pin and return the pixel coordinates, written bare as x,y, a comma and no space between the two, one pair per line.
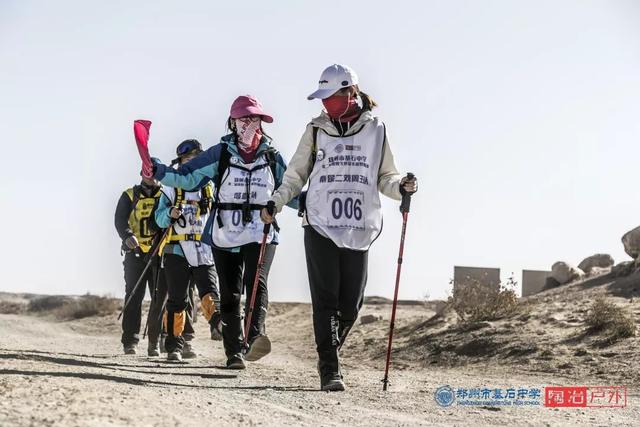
597,260
369,318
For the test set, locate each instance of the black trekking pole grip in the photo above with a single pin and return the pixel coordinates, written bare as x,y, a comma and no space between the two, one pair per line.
405,205
271,209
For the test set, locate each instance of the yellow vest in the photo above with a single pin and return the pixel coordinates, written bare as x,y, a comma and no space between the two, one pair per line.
140,216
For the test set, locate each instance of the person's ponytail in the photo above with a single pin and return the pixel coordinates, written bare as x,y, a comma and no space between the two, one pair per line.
368,103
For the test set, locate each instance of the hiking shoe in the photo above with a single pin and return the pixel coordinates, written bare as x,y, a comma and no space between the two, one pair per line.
332,382
130,349
215,326
329,371
153,350
187,351
259,347
236,362
175,356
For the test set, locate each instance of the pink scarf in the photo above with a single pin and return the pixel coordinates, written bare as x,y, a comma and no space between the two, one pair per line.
249,136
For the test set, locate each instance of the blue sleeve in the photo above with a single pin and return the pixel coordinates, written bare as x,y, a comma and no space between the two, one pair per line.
281,167
194,174
162,212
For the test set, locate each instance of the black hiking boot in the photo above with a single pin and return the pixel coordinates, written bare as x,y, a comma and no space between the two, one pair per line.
174,356
187,351
259,347
130,348
331,382
236,362
153,350
329,371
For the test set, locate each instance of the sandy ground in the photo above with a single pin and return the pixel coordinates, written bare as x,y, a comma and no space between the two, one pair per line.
73,373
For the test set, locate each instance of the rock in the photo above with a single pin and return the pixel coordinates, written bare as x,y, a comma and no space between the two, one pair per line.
439,307
598,271
550,283
631,242
597,260
369,318
623,268
563,272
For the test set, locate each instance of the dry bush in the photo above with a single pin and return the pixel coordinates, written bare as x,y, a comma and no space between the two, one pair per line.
66,307
8,307
475,301
48,303
606,316
86,306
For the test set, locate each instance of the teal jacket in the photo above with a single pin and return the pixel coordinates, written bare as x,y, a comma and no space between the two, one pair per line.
196,173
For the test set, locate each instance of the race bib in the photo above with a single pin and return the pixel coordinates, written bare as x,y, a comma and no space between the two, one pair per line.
233,224
346,209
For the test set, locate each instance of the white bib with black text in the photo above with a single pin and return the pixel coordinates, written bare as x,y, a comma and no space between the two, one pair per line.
241,179
196,252
343,199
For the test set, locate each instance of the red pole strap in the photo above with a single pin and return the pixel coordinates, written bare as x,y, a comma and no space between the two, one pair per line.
385,381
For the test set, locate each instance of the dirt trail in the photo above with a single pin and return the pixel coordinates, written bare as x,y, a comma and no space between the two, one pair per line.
73,373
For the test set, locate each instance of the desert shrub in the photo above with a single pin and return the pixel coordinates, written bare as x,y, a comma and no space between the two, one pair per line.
48,302
86,306
9,307
66,307
605,316
476,301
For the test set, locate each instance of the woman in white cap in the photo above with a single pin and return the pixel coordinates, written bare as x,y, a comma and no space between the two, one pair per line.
245,170
344,154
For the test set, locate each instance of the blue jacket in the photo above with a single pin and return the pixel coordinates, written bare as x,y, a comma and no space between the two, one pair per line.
196,173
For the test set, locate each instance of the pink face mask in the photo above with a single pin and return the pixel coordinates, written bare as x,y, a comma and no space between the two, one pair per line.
249,134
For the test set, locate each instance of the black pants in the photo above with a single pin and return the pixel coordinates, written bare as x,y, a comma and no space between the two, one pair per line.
237,271
179,274
337,278
156,310
131,318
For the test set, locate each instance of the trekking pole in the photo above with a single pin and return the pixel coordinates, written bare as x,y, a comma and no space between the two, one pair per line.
404,209
271,207
144,272
154,300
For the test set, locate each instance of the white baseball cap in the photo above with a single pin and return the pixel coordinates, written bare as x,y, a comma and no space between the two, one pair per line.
332,79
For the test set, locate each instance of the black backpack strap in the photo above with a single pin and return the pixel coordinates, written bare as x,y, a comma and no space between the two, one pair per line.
136,197
179,197
314,145
302,197
223,165
270,155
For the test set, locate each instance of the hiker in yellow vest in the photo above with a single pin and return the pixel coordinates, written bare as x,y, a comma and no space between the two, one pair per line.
135,224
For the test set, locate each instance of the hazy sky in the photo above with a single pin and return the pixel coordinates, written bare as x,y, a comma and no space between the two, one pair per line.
519,118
